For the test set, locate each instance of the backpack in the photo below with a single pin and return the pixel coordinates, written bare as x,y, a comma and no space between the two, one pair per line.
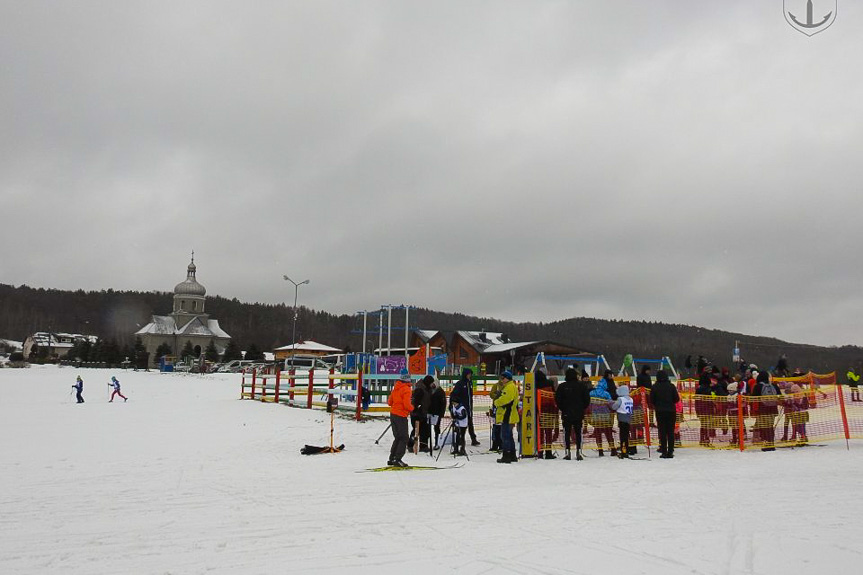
769,394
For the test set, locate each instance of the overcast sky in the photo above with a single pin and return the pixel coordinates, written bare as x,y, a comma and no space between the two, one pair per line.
685,162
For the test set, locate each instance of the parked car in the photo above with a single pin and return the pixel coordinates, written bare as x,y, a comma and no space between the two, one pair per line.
304,364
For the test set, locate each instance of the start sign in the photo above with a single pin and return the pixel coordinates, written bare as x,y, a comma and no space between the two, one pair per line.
528,417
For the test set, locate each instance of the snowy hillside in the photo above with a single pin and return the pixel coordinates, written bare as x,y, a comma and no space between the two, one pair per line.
185,478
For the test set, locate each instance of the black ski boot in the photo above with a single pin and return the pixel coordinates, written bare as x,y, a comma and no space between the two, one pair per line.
601,453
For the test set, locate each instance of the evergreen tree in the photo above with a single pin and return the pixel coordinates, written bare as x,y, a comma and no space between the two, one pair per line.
254,354
85,350
232,352
163,350
188,351
211,353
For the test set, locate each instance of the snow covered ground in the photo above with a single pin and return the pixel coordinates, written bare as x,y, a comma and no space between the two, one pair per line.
185,478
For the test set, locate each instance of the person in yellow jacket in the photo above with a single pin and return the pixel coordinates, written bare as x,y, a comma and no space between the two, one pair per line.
853,381
506,415
400,407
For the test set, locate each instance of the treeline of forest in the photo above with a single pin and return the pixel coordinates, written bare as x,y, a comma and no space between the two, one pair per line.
114,316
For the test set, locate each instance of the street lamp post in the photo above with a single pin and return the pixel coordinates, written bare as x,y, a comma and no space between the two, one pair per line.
294,333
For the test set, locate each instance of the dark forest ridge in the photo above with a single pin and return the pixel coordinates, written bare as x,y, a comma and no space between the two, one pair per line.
117,315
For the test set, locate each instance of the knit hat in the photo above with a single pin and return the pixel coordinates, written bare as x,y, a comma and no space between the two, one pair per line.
732,387
506,374
404,375
570,375
466,372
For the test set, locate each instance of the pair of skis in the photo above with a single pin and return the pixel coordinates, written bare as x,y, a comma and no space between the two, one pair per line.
411,468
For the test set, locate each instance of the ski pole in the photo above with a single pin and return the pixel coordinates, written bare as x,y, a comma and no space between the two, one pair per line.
442,443
384,433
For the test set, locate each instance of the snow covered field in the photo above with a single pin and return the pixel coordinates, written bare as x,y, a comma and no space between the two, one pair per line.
185,478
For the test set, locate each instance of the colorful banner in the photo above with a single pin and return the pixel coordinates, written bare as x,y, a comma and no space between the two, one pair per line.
391,364
436,362
417,363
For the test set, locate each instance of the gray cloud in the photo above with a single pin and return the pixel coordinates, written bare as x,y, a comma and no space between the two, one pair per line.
528,161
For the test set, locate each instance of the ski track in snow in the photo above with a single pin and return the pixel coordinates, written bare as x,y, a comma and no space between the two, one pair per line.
185,478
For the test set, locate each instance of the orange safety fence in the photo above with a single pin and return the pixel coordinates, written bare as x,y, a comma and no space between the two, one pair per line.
807,410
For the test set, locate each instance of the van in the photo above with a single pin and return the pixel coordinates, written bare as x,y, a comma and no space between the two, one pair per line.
301,363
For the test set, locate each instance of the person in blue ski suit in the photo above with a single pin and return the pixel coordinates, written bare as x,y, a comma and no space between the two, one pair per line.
79,389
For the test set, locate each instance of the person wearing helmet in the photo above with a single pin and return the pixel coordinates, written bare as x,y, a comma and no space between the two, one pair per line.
79,389
116,385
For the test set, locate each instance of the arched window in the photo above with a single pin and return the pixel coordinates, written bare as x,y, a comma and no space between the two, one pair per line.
194,306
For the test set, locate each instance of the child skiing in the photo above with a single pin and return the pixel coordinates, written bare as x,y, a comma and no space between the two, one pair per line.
79,389
459,421
623,407
116,385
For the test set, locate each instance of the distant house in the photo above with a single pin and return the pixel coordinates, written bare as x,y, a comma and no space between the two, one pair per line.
434,338
8,346
56,344
307,347
187,323
497,352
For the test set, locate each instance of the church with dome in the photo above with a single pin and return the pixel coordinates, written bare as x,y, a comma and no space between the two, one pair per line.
187,323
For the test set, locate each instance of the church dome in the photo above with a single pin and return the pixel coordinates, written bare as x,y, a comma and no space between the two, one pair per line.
190,286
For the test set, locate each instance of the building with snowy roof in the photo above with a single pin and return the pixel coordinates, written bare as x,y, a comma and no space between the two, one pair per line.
188,322
494,350
55,344
307,347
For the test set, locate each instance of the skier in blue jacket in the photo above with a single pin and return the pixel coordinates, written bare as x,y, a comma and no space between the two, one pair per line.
79,389
599,409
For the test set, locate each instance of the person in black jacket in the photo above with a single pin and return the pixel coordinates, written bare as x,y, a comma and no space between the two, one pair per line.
462,393
420,398
664,398
643,379
437,409
573,398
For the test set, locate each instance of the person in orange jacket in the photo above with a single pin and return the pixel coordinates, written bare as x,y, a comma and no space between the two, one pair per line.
400,408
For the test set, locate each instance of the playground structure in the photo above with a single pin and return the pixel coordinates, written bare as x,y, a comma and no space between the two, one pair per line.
590,363
634,364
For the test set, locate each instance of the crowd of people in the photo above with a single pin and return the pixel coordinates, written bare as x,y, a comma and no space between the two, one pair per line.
582,404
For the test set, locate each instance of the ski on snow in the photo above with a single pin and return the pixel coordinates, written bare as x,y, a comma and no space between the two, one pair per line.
411,468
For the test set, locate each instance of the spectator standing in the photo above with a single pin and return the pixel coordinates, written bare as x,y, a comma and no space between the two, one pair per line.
506,415
573,399
853,383
400,408
437,409
665,398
